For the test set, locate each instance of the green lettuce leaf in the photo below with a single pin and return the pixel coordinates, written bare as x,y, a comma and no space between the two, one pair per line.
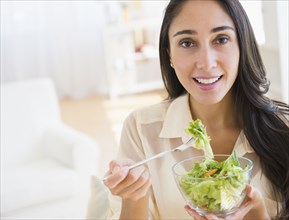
202,140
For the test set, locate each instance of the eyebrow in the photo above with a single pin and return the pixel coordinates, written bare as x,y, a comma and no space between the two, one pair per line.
214,30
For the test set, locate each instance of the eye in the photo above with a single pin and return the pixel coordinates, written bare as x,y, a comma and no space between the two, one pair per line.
222,40
187,43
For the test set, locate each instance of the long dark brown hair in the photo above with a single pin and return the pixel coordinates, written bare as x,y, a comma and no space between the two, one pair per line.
263,120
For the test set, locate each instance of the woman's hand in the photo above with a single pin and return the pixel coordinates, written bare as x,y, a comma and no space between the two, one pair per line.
252,208
128,184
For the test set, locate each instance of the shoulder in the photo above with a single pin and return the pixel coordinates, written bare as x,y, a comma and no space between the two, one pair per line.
161,115
150,114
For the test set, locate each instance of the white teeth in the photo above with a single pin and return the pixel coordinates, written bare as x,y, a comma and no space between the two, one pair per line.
208,81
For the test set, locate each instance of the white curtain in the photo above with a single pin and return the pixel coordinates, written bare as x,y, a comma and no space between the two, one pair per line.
58,39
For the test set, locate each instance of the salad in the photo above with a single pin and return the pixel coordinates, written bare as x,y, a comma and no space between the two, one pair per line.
213,185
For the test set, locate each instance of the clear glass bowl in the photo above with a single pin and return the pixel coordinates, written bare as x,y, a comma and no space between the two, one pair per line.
218,195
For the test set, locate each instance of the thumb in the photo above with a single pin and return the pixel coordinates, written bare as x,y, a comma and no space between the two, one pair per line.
250,191
114,166
116,169
253,193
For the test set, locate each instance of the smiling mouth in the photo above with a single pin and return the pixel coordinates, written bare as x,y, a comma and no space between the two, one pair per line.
210,81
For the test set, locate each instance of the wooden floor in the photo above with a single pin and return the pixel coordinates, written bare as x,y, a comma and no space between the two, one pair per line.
102,118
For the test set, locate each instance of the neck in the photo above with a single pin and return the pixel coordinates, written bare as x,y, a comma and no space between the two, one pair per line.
219,115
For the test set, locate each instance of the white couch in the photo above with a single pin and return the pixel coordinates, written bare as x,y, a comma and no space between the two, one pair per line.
46,165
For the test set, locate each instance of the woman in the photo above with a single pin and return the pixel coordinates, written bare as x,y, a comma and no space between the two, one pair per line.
213,71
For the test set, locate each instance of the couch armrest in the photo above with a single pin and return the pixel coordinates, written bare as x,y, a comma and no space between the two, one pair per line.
72,148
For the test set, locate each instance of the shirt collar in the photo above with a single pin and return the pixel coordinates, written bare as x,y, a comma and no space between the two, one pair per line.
177,119
242,145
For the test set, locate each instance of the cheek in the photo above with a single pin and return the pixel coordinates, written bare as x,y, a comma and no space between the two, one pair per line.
231,64
234,61
234,67
183,63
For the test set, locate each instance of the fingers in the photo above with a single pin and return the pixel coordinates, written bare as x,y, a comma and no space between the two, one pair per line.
115,165
194,214
251,208
128,184
241,212
210,216
118,170
134,181
254,199
116,177
139,192
253,193
255,205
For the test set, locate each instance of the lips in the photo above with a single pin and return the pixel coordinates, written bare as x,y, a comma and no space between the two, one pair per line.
207,81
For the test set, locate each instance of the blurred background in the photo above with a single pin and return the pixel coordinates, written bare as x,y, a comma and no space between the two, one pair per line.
102,57
110,47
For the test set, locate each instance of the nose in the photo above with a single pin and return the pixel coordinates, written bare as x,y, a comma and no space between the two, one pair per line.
206,59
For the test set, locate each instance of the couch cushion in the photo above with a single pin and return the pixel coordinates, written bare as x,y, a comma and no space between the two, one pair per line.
98,205
35,183
28,107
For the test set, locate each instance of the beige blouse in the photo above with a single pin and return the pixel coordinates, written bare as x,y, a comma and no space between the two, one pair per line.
160,127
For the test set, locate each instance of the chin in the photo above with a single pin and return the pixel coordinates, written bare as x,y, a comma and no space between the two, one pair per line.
210,101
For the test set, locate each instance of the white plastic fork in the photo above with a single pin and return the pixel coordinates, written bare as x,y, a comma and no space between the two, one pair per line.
180,148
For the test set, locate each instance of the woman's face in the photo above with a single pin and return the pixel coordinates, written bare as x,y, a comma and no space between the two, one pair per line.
204,50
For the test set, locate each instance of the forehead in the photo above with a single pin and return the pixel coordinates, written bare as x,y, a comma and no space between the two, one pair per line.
201,15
